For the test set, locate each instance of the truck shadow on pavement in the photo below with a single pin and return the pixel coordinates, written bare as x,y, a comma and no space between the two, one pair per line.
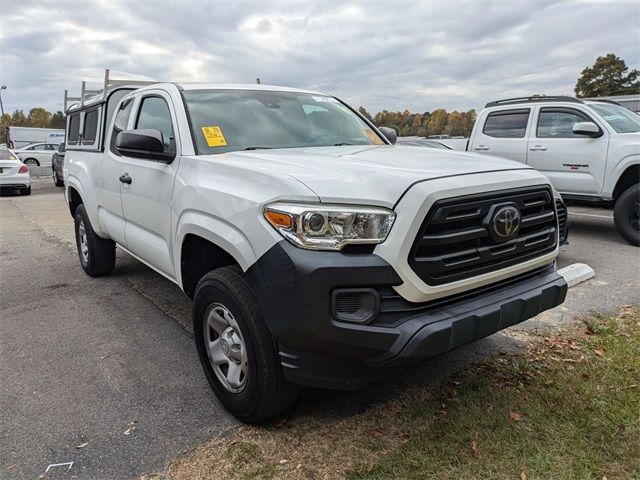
596,228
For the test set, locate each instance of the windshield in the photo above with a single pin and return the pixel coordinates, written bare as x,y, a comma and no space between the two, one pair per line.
621,119
232,120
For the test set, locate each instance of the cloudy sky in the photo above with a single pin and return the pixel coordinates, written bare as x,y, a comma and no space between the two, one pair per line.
393,55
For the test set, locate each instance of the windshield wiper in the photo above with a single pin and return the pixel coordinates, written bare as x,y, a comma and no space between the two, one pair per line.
342,144
258,148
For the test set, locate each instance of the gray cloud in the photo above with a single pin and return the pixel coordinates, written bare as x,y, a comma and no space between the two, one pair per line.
392,55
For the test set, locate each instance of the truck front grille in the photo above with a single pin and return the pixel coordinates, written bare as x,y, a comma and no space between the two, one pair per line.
457,240
561,211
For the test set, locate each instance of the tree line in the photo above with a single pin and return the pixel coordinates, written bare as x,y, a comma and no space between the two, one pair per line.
438,122
37,117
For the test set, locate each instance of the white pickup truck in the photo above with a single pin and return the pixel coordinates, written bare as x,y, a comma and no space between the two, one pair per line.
316,252
590,150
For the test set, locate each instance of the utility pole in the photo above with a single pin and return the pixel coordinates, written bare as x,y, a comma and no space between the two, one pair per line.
3,87
4,129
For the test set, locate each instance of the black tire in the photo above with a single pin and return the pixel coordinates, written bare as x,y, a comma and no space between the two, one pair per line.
57,180
26,191
626,215
31,161
266,392
100,253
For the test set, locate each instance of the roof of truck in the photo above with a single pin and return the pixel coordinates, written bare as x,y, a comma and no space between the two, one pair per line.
232,86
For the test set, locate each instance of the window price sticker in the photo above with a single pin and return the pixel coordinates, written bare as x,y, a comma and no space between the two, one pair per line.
214,137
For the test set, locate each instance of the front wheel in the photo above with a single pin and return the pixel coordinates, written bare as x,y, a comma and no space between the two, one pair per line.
626,215
97,255
236,350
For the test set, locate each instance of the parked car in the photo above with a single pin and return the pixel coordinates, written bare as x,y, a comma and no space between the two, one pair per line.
421,142
57,164
37,154
315,251
13,173
590,150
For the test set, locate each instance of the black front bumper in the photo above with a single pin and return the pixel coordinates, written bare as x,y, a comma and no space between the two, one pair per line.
294,288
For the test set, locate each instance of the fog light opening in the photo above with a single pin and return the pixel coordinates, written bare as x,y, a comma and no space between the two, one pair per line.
355,305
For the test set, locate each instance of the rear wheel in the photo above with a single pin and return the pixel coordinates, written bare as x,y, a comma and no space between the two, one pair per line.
26,191
236,350
32,162
57,180
626,215
97,255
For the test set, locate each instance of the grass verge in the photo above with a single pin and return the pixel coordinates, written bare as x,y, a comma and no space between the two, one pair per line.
569,407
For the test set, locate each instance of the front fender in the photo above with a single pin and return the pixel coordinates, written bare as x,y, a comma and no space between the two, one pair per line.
222,234
617,171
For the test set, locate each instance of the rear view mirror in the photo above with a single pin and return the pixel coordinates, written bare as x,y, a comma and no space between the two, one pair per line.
147,144
389,133
589,129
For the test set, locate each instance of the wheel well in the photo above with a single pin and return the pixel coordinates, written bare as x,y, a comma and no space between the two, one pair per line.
74,200
629,177
199,256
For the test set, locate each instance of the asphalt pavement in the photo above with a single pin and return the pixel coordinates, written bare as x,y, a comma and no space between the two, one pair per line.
103,372
92,371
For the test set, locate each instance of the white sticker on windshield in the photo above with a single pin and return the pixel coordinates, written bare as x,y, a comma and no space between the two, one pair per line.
325,99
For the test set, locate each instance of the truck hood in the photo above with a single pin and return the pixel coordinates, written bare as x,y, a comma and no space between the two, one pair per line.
369,174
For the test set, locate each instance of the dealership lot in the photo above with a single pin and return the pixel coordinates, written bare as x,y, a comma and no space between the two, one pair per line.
99,372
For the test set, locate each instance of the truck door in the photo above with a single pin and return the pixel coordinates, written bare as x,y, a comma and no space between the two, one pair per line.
503,133
573,163
110,213
147,186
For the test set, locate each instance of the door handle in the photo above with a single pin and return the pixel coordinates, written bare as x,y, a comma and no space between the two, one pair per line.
125,179
481,148
539,148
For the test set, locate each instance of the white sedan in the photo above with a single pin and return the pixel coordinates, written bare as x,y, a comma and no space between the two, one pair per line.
37,154
13,173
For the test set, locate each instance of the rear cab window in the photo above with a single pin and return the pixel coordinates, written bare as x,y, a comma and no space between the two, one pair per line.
507,123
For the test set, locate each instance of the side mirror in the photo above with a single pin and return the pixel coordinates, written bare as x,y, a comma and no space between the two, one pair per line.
589,129
147,144
389,133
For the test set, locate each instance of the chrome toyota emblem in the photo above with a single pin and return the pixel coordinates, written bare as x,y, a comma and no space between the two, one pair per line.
506,222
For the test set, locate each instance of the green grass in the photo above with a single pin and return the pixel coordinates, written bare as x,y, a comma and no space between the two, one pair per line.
578,400
567,408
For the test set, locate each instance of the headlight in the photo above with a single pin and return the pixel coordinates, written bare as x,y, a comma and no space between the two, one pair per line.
329,227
